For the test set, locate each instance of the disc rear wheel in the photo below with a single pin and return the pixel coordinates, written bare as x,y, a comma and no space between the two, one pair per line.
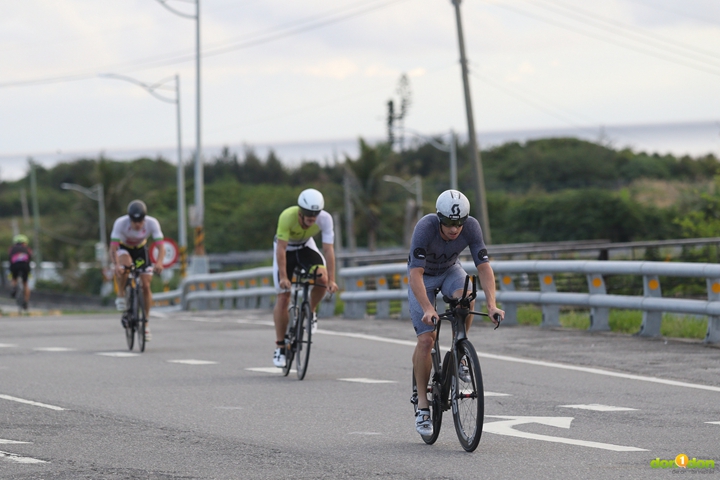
468,402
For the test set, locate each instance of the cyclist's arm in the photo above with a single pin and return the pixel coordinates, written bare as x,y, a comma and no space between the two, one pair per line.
113,252
158,267
329,250
418,288
487,281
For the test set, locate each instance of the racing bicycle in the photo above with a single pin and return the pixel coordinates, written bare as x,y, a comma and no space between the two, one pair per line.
446,389
298,337
134,319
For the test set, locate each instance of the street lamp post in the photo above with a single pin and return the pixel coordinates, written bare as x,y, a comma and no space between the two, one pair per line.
97,193
414,185
200,260
152,90
451,148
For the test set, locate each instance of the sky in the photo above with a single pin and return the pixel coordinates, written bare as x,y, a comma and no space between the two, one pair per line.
309,77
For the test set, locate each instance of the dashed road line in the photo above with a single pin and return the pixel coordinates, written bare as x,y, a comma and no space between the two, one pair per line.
6,442
54,349
599,408
191,361
30,402
365,380
268,370
19,458
118,354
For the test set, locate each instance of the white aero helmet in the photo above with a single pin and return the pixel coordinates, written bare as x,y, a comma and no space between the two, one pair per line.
311,202
453,208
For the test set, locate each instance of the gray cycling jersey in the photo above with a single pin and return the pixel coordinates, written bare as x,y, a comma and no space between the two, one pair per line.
429,251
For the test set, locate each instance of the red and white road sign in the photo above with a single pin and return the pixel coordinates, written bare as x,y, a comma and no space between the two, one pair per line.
172,252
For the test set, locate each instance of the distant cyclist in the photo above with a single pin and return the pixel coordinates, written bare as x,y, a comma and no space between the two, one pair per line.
128,244
20,258
294,245
433,263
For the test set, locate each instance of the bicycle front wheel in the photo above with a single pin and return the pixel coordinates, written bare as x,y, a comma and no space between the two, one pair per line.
131,325
303,339
141,320
468,401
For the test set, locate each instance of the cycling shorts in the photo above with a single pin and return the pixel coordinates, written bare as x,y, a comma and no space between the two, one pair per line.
449,282
20,269
307,256
140,257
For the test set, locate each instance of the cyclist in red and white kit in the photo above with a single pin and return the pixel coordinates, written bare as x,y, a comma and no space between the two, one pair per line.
128,244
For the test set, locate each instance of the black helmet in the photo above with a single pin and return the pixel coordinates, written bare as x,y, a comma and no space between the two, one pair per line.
137,210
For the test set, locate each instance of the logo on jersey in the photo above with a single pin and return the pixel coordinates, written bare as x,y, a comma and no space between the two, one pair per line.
482,254
419,253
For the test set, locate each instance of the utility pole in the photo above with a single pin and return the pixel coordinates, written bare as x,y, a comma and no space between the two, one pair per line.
480,198
390,121
25,209
349,213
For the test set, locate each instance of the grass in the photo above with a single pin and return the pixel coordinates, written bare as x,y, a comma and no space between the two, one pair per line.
621,321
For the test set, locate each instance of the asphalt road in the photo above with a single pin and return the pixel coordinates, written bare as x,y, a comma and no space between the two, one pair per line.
204,401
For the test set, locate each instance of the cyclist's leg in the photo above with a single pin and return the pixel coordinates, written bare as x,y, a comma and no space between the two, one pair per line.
146,281
453,287
123,258
282,299
310,257
422,361
14,281
26,290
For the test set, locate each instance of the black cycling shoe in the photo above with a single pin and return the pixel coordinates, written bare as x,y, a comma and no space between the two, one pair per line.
13,292
124,321
25,306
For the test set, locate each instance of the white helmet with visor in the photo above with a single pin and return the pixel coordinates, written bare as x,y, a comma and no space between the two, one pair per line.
311,202
453,208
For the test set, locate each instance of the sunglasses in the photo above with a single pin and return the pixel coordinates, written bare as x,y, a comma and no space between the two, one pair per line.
449,222
309,213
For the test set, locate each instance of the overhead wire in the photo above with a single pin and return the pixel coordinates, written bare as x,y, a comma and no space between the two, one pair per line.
269,35
606,39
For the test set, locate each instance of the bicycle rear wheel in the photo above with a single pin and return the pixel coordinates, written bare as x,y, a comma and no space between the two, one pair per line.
434,394
130,329
303,339
468,401
141,320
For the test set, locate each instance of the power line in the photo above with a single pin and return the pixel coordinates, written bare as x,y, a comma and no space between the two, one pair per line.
606,39
267,36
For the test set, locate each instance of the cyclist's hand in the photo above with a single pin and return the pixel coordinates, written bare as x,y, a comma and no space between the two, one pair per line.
429,317
285,284
496,315
119,269
332,287
157,268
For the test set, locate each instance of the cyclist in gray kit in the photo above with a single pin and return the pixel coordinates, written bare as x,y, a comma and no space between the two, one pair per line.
433,263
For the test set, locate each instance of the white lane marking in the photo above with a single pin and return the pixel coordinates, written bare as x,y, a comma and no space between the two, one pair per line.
4,441
505,427
30,402
7,345
714,423
268,370
495,394
54,349
256,322
191,361
19,459
539,363
598,408
364,433
118,354
365,380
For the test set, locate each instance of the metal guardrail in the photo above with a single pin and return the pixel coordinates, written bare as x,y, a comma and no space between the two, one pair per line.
242,289
357,296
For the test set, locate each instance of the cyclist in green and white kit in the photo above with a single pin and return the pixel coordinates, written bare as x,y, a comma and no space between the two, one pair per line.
294,245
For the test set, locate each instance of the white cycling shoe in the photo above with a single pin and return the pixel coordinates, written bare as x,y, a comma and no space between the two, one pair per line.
120,304
423,423
279,357
464,373
313,324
